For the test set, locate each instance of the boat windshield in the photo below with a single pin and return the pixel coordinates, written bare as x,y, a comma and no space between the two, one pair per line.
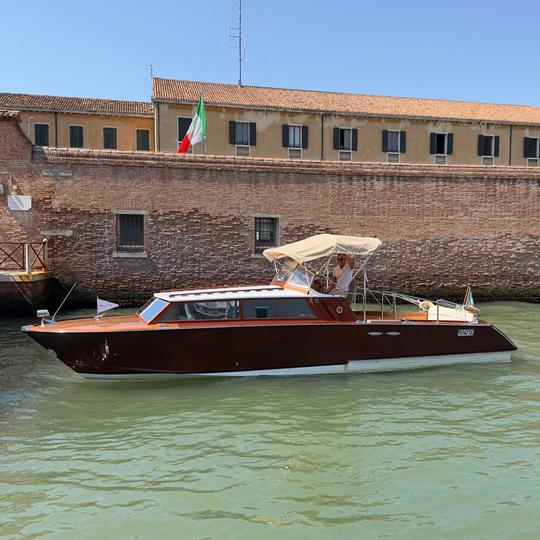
149,311
293,273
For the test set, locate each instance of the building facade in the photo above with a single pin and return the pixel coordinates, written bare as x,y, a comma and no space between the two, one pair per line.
125,224
299,124
289,124
69,122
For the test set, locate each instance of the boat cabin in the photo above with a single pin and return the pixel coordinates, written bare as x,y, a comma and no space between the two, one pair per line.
243,303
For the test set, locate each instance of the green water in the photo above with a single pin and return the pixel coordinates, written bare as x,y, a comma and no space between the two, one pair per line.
448,453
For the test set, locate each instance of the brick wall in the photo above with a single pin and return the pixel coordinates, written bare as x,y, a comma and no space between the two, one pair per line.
441,226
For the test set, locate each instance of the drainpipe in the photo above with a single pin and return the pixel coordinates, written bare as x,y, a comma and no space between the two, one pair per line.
157,142
322,136
510,153
56,129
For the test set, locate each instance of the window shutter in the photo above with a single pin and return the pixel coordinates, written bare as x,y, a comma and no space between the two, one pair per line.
402,142
304,136
497,143
450,144
285,135
354,139
385,140
480,145
432,143
528,148
252,134
183,126
232,132
336,138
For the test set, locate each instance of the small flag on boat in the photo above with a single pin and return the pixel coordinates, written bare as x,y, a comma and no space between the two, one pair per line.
197,129
104,305
468,300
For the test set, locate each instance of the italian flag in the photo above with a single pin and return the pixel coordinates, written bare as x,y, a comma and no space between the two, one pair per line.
197,129
468,300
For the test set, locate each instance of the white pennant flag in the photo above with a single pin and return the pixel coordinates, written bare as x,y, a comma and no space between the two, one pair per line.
103,305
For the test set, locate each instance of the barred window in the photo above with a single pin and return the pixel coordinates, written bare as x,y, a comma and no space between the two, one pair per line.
266,233
130,233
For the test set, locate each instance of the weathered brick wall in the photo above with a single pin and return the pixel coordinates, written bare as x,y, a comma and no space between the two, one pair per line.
442,227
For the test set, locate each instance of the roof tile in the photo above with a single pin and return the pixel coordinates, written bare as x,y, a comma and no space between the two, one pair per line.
73,104
333,102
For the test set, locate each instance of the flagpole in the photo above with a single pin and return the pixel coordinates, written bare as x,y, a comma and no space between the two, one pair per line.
203,143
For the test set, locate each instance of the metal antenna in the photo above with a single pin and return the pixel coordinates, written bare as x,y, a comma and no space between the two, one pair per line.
238,36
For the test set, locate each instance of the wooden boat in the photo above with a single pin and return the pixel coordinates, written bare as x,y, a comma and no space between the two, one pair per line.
302,323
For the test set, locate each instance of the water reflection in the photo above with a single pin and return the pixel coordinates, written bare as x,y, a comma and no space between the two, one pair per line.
449,452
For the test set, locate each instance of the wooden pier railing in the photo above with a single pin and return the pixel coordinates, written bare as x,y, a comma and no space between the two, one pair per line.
23,256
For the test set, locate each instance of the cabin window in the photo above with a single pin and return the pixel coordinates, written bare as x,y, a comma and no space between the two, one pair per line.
201,311
149,311
130,233
277,308
109,138
266,233
41,134
143,139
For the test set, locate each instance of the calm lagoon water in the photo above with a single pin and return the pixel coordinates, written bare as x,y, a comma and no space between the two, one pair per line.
436,454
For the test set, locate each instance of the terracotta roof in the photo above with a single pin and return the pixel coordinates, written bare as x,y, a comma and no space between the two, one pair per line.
9,114
333,102
31,102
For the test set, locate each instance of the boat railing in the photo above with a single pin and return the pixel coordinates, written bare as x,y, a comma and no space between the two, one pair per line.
389,299
25,257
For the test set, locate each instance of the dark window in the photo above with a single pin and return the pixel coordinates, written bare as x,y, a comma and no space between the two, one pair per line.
109,138
277,308
130,232
295,136
242,133
345,139
196,311
487,148
183,126
530,147
41,134
266,233
143,139
393,141
440,143
76,136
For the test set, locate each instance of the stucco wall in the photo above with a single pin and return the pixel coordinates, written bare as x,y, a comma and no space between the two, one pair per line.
269,138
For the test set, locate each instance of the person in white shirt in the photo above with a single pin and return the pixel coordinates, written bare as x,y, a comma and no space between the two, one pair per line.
342,274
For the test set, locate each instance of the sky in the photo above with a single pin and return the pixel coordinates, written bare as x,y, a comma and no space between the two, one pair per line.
453,49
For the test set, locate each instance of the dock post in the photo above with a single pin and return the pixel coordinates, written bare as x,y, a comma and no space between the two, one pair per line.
27,259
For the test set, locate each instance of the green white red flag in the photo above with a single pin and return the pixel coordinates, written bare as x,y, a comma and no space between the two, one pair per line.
468,299
197,129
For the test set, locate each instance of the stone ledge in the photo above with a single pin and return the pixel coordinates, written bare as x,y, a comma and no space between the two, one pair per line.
200,161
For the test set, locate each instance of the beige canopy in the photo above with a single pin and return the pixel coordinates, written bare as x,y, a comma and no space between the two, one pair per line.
323,245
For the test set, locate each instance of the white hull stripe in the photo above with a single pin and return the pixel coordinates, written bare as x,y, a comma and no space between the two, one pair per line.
354,366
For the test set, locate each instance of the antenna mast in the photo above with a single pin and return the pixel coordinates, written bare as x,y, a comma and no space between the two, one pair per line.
240,44
238,36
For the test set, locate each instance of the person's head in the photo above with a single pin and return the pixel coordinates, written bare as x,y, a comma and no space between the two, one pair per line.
341,259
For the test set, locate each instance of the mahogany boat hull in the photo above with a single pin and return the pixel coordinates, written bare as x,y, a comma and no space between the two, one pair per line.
277,348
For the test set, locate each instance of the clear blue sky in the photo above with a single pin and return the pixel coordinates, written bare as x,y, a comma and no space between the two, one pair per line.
455,49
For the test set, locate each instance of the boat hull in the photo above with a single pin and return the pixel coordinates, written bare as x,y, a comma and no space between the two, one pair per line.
274,349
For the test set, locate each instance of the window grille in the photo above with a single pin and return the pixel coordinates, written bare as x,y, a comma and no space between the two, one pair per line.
130,232
266,233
